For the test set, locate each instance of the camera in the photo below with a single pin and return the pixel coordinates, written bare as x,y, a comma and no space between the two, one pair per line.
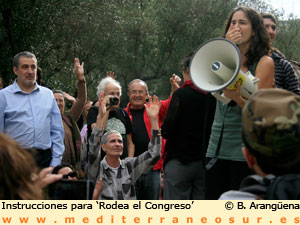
113,101
70,190
71,174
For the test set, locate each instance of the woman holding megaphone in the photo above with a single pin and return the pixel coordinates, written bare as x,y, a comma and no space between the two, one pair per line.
226,166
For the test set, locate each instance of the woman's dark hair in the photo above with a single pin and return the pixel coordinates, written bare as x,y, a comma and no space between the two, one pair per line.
185,64
259,43
268,16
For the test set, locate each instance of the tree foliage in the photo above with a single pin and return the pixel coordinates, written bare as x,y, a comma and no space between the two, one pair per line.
287,39
143,39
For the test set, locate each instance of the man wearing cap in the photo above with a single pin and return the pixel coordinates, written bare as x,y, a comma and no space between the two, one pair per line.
271,134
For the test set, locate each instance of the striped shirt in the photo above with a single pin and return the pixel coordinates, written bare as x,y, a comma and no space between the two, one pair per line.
120,185
285,77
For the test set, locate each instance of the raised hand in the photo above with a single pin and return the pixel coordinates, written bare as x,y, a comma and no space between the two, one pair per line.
153,110
153,107
175,82
101,105
103,112
79,70
111,74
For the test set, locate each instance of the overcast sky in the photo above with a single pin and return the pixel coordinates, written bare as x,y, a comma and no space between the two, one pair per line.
289,6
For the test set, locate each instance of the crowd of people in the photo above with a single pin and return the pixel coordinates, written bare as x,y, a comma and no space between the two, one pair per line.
190,146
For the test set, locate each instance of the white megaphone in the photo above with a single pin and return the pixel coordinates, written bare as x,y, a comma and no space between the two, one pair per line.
216,65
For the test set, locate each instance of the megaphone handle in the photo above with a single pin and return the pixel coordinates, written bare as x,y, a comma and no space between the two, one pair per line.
251,77
222,97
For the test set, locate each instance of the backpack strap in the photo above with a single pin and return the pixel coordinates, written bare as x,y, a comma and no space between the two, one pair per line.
296,67
214,159
123,112
286,187
254,184
257,185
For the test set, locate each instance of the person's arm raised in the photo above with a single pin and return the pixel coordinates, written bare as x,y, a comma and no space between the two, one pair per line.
152,110
175,83
79,102
103,112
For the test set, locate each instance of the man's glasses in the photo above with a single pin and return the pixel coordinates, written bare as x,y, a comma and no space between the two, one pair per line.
135,92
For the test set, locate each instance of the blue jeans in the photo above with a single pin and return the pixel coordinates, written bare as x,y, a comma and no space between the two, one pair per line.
147,187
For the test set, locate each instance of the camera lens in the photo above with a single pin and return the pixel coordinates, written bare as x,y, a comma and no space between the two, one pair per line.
113,101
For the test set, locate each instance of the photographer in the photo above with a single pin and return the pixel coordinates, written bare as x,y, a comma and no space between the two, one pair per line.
20,178
117,119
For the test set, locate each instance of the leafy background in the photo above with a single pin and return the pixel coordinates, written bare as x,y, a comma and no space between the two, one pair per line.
144,39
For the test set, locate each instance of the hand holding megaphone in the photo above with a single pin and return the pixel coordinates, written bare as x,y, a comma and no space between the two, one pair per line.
233,94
